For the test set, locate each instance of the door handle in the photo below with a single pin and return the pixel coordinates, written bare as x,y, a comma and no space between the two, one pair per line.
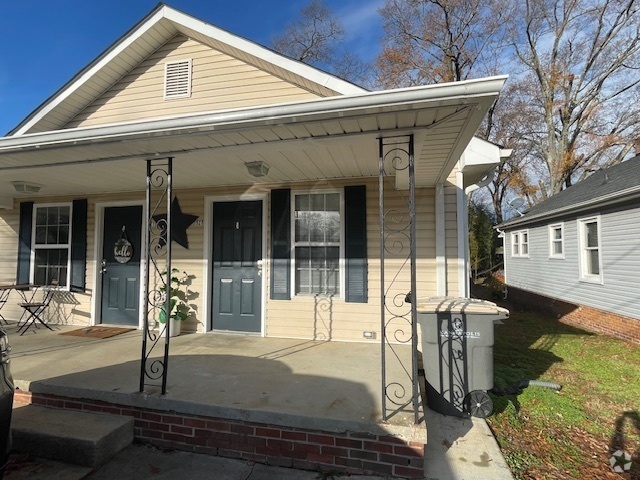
103,266
259,266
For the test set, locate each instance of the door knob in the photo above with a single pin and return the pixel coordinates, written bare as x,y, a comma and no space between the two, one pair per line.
103,266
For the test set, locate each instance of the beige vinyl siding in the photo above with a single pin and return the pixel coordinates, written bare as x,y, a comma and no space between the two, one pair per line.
301,317
219,82
9,225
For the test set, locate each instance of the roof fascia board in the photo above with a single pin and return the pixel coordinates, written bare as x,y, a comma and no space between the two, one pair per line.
604,201
109,54
412,97
313,74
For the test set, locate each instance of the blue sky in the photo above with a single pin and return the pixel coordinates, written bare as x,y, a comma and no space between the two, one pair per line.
46,43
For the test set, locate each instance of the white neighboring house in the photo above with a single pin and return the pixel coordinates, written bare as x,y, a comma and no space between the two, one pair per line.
580,251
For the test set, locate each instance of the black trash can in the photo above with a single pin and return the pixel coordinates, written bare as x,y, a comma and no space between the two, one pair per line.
457,353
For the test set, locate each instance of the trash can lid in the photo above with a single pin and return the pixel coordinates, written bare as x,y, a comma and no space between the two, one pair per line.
461,305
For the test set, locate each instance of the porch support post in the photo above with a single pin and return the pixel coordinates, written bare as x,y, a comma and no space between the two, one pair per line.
398,312
157,277
414,291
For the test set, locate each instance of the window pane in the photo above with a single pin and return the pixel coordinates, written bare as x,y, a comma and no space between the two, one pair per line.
51,266
52,225
592,234
317,270
316,226
333,202
525,238
302,227
64,215
516,249
557,233
557,248
593,263
525,249
332,226
41,235
63,234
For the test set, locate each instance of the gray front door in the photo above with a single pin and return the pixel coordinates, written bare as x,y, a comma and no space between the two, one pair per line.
237,254
121,265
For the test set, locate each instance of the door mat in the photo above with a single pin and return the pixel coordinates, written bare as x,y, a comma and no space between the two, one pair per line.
97,332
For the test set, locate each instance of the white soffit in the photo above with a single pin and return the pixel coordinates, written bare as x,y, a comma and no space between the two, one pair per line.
319,139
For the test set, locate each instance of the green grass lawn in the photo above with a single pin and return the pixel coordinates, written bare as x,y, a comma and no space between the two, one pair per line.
571,434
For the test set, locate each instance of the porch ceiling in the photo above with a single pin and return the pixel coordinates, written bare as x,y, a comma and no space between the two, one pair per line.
306,141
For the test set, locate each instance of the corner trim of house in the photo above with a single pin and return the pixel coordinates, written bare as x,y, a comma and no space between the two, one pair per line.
441,260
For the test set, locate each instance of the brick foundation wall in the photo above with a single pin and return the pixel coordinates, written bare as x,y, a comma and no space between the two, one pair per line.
349,452
587,318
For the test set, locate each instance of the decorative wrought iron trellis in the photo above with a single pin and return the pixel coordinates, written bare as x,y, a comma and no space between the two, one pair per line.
400,390
157,278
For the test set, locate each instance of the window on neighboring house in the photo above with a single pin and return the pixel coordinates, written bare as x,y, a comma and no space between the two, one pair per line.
51,244
177,79
556,241
590,249
520,244
317,243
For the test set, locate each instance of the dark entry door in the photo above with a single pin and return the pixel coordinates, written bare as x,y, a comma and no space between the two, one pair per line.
237,269
121,265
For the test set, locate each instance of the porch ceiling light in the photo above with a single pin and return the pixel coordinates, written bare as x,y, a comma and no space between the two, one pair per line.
26,187
257,169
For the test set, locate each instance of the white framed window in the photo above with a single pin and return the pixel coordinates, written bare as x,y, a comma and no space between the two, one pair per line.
51,244
317,243
520,243
177,79
556,241
589,244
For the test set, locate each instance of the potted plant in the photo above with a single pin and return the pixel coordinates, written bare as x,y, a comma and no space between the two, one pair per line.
178,307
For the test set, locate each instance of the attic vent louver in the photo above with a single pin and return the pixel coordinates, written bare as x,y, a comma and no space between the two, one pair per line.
177,79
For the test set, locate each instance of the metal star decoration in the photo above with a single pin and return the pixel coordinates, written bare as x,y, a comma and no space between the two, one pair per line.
180,222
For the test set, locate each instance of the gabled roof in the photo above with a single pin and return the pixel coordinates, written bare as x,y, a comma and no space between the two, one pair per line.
160,25
612,185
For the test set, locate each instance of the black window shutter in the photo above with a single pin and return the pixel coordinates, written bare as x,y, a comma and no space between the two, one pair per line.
281,244
78,246
24,246
355,221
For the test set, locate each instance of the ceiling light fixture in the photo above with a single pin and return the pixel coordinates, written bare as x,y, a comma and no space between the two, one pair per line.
26,187
257,169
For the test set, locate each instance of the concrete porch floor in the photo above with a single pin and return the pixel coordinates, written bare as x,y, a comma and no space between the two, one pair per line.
328,386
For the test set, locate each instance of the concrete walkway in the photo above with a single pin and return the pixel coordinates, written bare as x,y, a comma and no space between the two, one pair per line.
330,386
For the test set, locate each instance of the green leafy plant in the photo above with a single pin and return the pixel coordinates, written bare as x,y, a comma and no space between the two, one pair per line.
178,305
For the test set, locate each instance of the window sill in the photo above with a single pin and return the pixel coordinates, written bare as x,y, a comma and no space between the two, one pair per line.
593,280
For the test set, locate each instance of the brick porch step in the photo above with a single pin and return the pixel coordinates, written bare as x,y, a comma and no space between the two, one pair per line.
81,438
